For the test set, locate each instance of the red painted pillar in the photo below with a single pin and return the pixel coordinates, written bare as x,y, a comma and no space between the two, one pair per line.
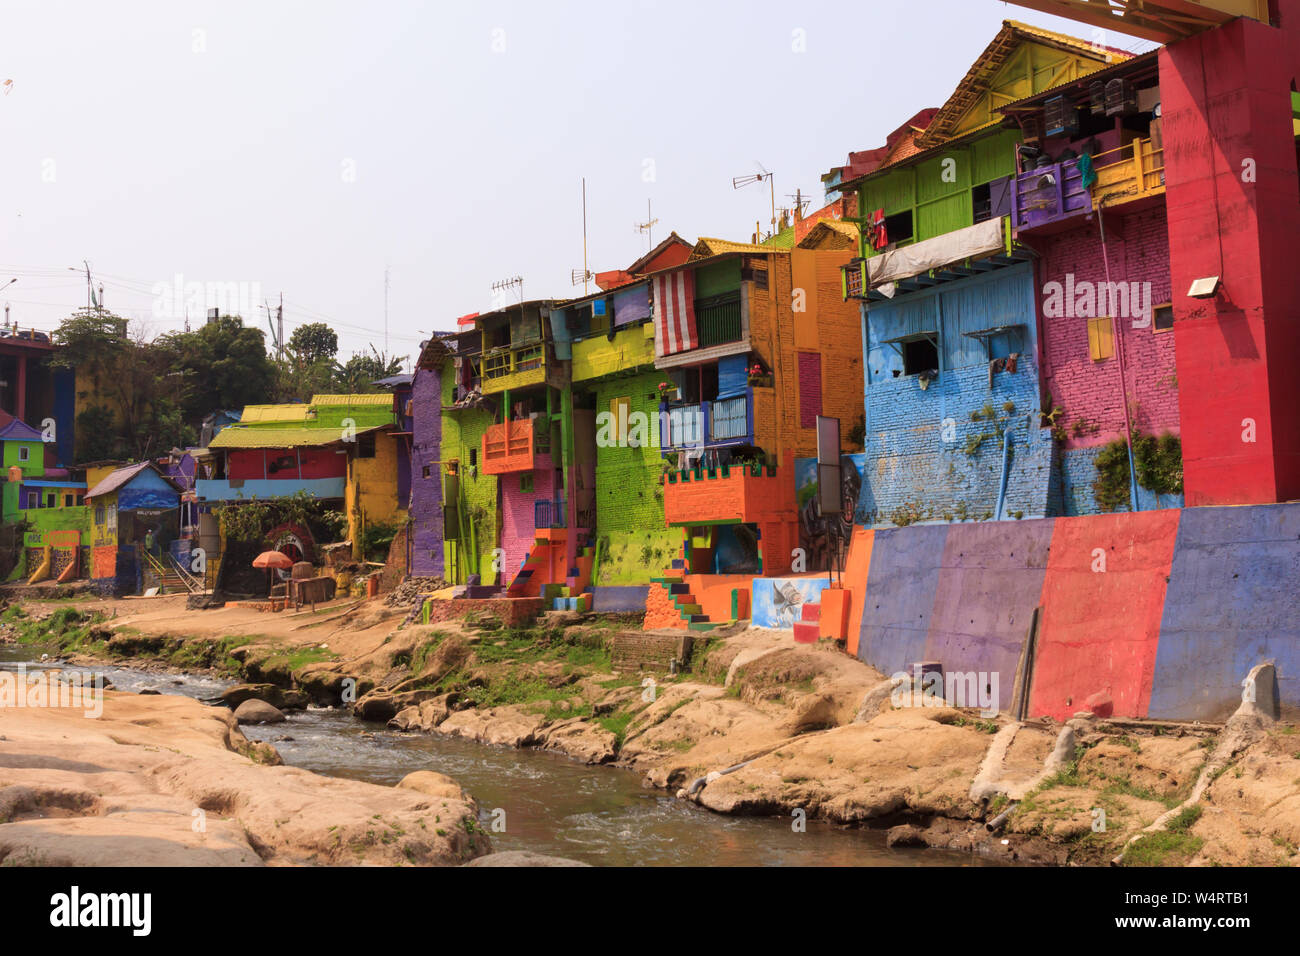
1234,211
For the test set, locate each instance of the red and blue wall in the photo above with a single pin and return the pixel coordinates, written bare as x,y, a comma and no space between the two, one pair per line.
1164,612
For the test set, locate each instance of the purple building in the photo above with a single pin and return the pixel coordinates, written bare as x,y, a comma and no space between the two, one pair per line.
426,466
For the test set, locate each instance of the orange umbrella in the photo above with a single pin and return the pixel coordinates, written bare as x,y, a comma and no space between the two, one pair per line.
269,560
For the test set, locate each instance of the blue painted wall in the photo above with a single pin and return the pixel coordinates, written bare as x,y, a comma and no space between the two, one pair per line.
1078,470
922,470
1233,600
146,490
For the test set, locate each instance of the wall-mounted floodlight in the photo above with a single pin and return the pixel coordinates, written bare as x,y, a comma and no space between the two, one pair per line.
1206,288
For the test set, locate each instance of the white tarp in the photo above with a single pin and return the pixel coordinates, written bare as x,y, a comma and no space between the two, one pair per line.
972,242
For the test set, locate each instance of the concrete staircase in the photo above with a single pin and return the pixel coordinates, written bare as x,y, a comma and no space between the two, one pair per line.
683,600
544,575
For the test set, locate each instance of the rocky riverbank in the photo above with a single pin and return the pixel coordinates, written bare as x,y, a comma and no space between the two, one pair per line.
761,726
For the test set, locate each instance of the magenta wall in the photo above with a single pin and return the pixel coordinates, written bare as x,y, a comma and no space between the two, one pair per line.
1138,248
517,512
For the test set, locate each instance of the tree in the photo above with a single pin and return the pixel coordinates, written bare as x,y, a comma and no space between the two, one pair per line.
359,373
312,342
222,364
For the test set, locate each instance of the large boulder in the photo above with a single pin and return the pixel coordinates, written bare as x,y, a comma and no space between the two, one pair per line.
279,697
523,858
258,712
433,784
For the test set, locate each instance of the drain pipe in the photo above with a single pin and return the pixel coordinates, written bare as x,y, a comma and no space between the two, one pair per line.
994,825
1119,357
1002,484
698,784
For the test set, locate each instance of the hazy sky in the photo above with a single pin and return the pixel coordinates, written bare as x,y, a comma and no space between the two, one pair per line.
303,147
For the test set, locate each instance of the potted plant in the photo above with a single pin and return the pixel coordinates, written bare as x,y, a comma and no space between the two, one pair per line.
759,377
667,391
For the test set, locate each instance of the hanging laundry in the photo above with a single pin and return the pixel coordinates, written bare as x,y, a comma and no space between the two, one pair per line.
1087,171
876,229
1011,361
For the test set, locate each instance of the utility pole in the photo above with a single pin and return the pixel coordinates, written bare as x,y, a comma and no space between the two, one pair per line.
279,320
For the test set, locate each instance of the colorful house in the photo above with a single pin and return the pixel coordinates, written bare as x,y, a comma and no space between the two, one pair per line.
953,410
1088,196
336,447
135,516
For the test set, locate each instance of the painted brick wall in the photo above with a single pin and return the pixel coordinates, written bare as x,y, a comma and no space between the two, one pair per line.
1078,471
462,432
426,492
635,544
1090,391
518,512
911,470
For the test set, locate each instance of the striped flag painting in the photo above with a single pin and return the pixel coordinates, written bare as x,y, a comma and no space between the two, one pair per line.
675,329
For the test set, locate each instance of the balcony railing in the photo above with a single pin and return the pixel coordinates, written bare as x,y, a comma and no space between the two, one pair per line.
718,319
508,447
725,420
505,367
548,513
1051,194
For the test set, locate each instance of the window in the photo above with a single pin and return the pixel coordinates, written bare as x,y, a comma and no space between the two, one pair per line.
33,499
1101,338
428,471
1164,318
99,514
620,410
24,453
919,355
67,501
898,227
51,499
366,445
526,483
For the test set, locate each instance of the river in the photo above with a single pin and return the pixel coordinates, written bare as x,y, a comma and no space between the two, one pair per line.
552,805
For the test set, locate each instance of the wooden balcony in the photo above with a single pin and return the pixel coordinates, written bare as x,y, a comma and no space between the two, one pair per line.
1049,198
507,368
1128,174
508,447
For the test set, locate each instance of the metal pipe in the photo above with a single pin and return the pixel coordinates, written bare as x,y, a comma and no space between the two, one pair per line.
994,825
1119,357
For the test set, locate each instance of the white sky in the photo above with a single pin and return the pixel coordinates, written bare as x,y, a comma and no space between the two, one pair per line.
223,155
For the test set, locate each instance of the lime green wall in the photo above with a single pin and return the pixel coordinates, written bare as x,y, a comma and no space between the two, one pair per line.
35,464
718,278
634,544
462,431
76,518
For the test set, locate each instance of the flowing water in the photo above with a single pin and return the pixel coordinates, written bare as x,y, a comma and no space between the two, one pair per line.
553,805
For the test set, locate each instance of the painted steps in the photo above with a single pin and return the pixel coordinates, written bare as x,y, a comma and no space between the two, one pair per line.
808,628
686,604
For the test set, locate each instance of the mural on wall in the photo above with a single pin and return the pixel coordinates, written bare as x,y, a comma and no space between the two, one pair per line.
778,602
821,535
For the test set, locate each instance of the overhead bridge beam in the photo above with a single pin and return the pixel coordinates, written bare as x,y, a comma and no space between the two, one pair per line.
1163,21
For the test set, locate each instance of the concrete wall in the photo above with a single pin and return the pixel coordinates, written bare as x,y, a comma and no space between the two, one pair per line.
1233,600
1162,612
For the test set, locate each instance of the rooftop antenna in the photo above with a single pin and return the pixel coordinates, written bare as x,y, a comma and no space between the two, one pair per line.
585,275
515,282
739,182
648,227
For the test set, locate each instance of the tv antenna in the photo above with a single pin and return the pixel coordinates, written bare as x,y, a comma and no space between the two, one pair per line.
583,275
739,182
515,282
648,227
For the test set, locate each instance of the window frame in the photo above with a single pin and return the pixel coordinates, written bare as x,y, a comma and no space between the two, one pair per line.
1155,329
1095,341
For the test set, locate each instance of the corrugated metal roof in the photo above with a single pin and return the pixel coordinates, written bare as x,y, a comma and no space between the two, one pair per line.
818,234
706,248
382,398
274,413
116,479
19,430
283,437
